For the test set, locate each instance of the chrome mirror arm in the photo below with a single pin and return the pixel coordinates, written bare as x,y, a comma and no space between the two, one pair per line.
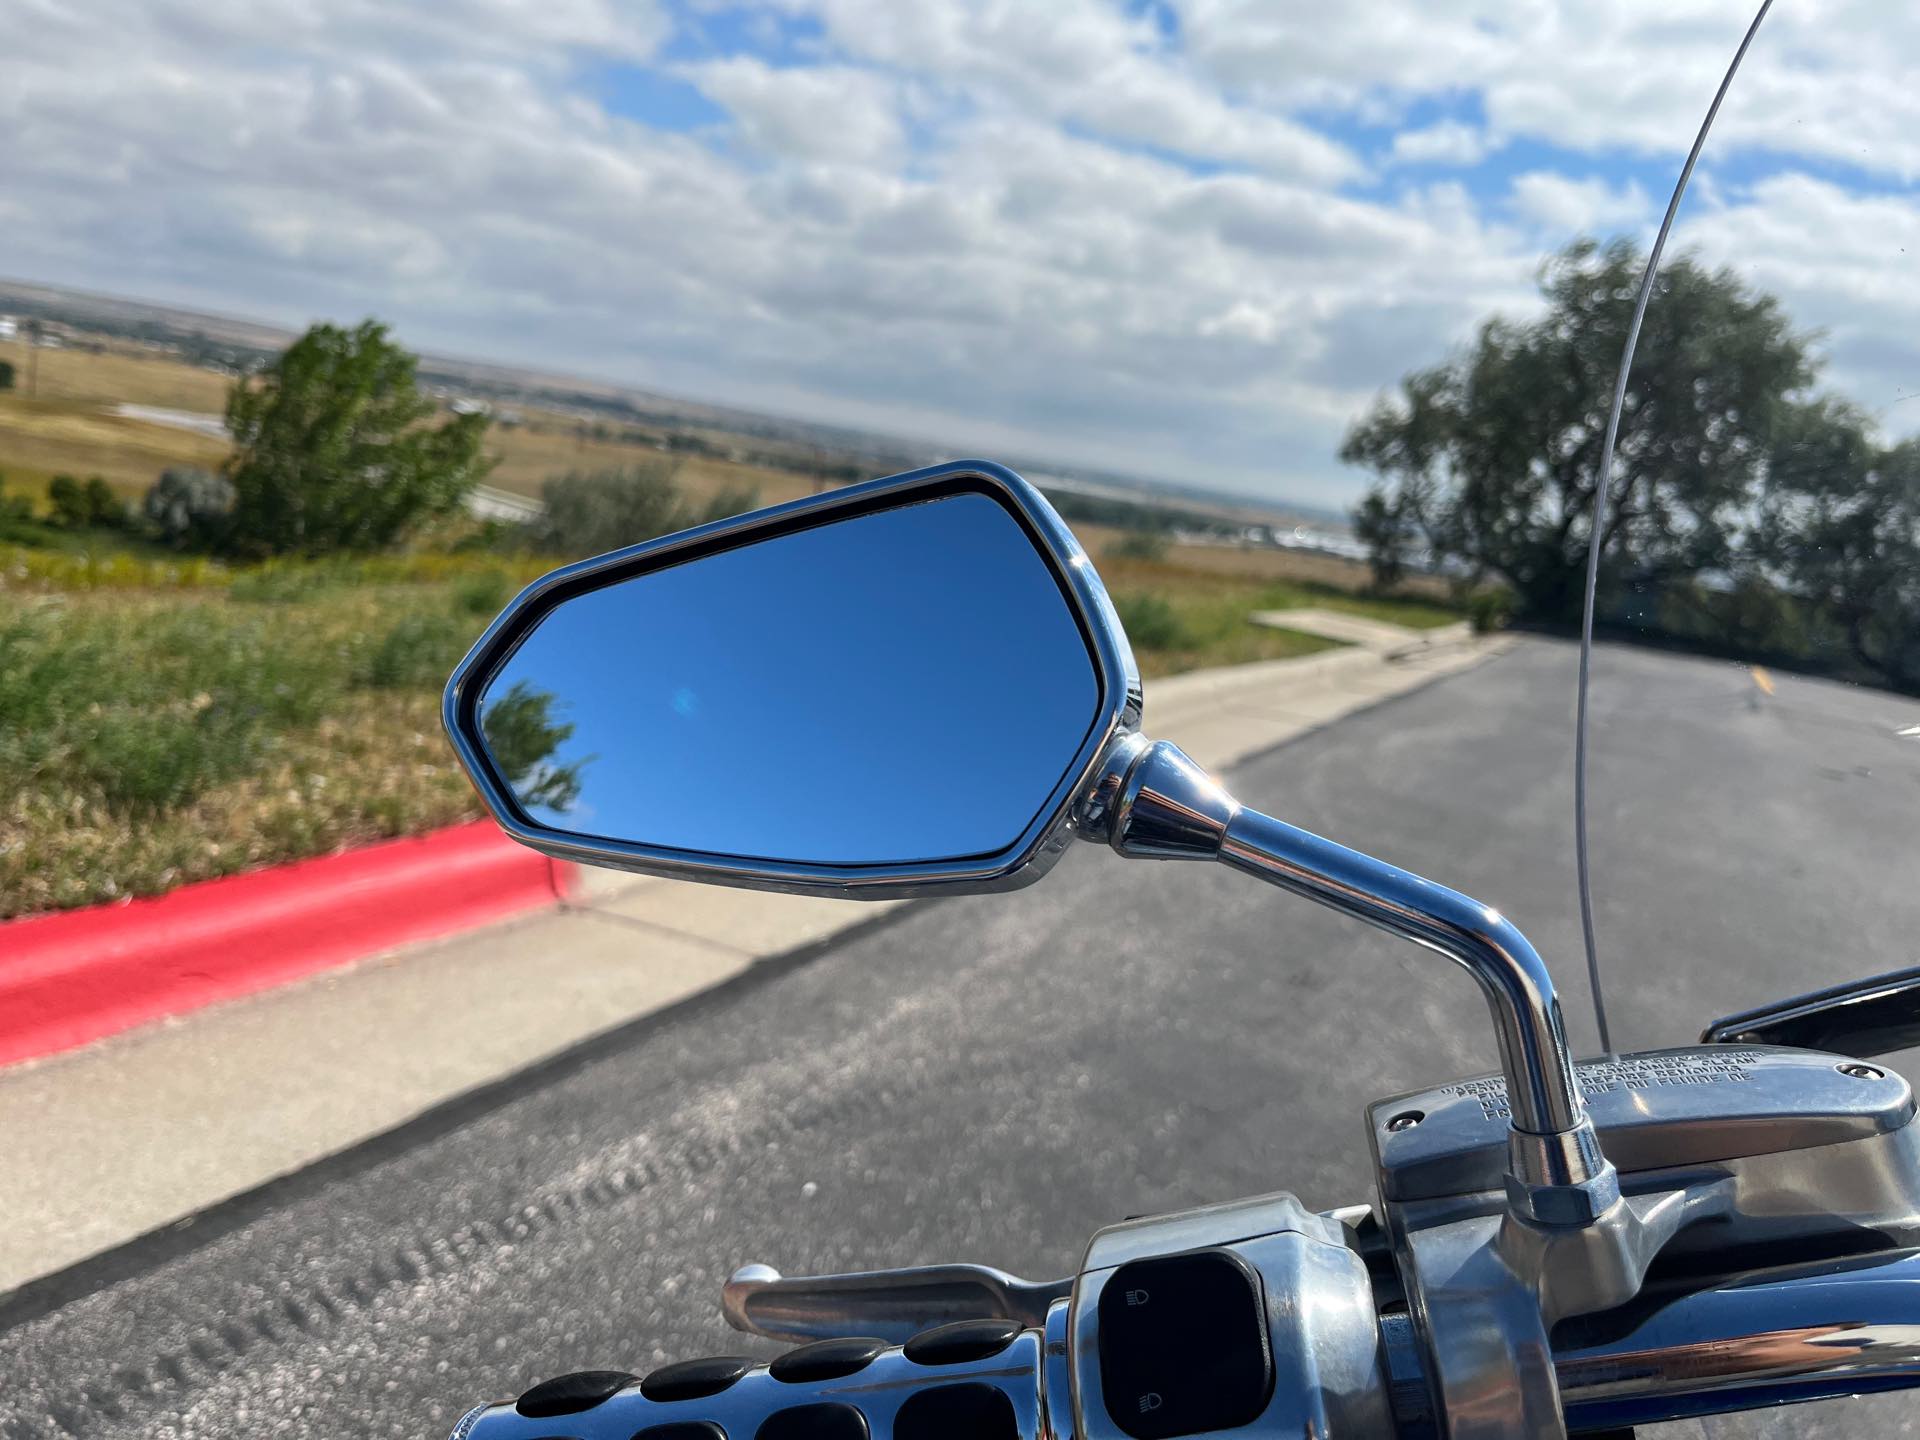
1152,801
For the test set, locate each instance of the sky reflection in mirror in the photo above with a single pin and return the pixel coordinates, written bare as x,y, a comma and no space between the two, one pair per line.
906,685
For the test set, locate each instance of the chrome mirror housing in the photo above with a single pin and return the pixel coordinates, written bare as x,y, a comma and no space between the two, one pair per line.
898,688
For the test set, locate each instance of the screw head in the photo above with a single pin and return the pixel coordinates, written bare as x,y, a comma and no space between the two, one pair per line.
1861,1072
1406,1120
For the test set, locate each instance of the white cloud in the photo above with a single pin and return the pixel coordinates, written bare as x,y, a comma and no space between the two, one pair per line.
1446,142
1568,206
1827,78
1053,229
825,112
1083,62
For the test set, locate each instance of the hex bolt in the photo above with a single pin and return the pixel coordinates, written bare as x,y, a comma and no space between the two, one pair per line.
1861,1072
1406,1120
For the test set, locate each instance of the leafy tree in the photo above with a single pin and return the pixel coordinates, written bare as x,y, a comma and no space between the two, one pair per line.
522,737
189,507
587,512
1839,525
1489,460
6,375
332,449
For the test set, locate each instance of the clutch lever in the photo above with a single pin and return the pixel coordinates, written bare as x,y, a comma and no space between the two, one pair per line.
890,1305
1874,1016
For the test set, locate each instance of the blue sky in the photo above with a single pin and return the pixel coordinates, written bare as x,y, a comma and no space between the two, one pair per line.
1183,238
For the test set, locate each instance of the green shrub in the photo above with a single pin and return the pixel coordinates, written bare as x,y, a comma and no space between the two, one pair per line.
1490,608
587,512
1139,545
189,507
17,523
77,505
1151,622
731,501
481,594
146,712
420,649
593,511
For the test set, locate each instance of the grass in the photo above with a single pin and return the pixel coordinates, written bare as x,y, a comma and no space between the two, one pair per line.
151,737
1182,617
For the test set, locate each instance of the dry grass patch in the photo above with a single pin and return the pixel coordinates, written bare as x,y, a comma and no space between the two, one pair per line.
42,438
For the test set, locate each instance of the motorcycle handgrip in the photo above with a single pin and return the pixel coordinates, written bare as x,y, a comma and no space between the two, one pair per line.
971,1380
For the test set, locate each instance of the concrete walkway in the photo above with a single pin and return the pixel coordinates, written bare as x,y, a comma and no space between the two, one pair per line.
1393,641
109,1142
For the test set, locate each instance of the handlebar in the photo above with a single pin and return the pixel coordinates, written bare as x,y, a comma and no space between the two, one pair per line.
1775,1337
1806,1332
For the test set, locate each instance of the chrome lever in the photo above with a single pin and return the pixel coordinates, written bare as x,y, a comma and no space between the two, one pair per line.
890,1305
1874,1016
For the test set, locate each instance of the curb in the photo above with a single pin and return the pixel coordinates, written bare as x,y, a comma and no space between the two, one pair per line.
80,975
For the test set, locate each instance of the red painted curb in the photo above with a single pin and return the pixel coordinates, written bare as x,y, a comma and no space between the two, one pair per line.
69,978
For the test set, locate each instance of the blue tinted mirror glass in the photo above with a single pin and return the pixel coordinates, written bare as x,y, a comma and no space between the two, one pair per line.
902,686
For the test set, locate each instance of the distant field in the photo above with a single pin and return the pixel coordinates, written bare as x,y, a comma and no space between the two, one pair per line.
116,375
69,428
548,444
43,438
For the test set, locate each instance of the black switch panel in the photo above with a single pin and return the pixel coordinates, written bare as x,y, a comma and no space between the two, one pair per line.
1183,1345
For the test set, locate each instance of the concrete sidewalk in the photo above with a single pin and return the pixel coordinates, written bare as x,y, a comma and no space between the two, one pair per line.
115,1140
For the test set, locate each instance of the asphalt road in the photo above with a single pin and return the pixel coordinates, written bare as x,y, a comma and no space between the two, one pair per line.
991,1079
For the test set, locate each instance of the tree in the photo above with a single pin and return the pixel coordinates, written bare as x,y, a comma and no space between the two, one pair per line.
104,508
1489,460
64,505
1839,526
6,375
332,449
587,512
523,737
77,506
189,507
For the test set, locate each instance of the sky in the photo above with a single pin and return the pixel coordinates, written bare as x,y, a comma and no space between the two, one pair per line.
1185,239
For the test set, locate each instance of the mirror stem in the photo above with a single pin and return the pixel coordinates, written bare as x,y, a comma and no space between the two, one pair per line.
1155,802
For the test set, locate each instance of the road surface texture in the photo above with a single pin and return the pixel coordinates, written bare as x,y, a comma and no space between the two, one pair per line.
991,1079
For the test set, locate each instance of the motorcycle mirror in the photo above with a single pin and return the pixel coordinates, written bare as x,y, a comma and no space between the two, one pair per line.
895,688
918,685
